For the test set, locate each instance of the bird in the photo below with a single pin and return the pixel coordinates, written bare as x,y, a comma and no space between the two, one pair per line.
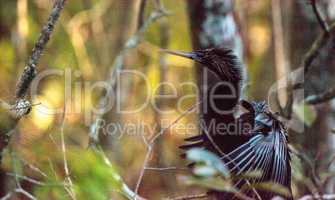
257,141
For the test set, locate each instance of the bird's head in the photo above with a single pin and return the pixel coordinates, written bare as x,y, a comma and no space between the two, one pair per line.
221,61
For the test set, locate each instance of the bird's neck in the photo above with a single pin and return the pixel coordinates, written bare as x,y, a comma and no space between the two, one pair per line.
224,94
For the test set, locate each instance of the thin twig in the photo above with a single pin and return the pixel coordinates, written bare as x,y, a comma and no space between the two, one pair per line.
152,143
17,178
324,25
189,110
307,61
117,66
189,197
66,168
165,36
314,175
125,190
315,50
158,5
320,98
25,193
34,168
203,196
33,181
165,168
145,163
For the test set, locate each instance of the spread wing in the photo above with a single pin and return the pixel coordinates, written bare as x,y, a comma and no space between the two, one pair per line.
266,151
267,154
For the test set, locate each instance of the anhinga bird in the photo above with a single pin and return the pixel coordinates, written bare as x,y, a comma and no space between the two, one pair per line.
254,141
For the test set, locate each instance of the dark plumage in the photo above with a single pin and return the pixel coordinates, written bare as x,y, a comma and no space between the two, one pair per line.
257,141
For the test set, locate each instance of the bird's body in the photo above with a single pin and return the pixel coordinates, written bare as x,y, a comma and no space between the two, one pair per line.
254,141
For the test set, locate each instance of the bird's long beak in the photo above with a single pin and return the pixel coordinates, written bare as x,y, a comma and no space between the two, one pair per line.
191,55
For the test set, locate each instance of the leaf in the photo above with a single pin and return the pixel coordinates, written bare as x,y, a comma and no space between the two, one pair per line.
92,177
305,112
272,187
250,175
204,171
214,183
202,156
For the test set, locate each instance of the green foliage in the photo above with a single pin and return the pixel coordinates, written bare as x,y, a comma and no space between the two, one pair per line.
250,175
305,113
272,187
204,171
92,178
7,54
213,183
53,190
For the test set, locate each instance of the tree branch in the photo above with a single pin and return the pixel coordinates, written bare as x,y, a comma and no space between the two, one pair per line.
67,179
131,43
153,141
22,106
307,61
320,98
118,65
318,15
315,50
29,72
189,197
141,14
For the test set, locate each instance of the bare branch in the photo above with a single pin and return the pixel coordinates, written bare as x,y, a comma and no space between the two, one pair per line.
33,181
25,193
315,178
131,43
321,21
67,179
33,168
165,168
22,106
141,14
153,141
29,72
125,190
321,98
158,5
314,51
189,197
307,61
118,65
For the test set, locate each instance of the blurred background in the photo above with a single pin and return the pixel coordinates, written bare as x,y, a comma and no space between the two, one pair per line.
271,37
